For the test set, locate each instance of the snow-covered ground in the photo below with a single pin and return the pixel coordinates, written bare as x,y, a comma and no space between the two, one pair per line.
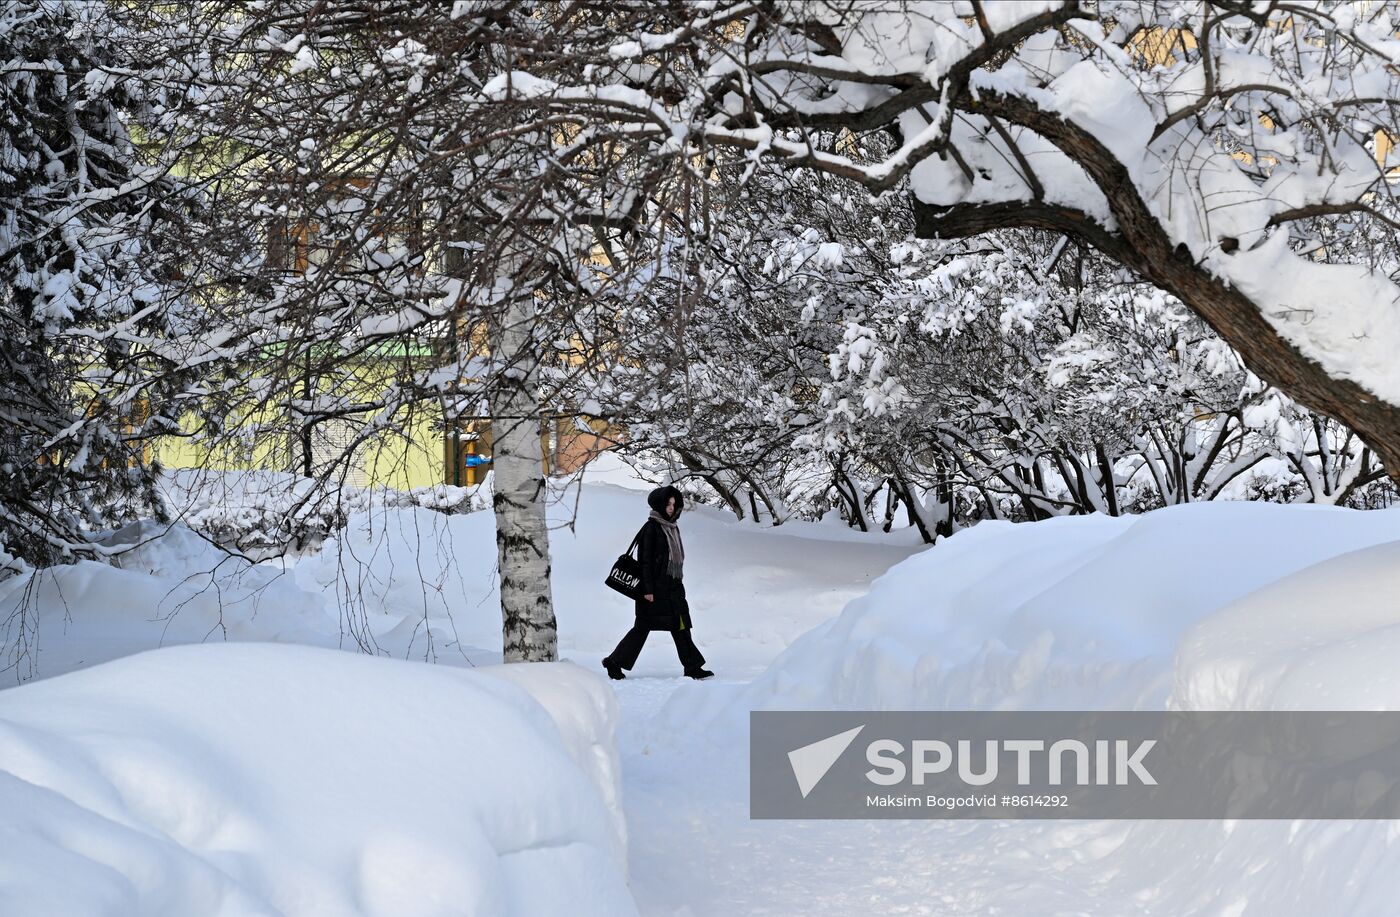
253,779
1211,606
418,584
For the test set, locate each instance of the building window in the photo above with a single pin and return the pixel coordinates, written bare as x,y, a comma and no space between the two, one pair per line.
334,443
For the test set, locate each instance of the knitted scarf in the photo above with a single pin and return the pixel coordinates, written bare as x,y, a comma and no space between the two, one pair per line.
676,561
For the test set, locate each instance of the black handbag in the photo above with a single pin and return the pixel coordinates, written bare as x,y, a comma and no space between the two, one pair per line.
626,573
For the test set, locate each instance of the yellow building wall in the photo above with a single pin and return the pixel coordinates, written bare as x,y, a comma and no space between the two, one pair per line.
402,461
419,456
404,458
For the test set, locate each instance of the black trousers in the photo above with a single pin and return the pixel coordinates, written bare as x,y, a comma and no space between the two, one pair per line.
630,646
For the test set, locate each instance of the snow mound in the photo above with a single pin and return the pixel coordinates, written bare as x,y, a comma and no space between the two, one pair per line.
1206,606
584,710
170,550
1071,613
1325,638
277,780
175,588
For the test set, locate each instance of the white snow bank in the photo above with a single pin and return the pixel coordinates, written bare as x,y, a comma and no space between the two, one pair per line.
1207,606
176,588
1325,638
584,709
1071,613
272,780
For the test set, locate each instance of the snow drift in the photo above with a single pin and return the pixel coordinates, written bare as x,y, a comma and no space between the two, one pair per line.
1325,638
1203,606
1073,613
290,781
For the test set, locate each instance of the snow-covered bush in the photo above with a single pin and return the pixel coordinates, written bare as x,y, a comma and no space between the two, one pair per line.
271,513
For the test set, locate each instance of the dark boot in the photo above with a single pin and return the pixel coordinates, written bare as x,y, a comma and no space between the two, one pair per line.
614,670
698,674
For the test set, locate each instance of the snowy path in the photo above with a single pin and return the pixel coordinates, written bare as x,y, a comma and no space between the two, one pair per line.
693,850
696,853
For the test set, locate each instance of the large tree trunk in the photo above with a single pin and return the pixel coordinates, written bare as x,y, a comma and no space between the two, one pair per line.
1141,243
529,633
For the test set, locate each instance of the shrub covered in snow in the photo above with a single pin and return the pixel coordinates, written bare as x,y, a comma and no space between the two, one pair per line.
263,513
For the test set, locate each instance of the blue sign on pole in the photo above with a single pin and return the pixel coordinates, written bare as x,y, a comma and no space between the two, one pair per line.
471,461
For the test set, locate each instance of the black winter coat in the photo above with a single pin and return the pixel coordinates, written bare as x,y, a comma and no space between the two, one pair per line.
669,611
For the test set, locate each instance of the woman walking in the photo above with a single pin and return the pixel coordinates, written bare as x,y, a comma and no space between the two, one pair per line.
662,605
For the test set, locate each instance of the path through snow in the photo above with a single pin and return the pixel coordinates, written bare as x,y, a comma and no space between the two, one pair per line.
694,852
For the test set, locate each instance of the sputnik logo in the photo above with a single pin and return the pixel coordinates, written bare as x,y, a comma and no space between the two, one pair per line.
810,763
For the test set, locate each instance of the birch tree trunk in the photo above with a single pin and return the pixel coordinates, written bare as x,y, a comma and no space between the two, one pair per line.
529,633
